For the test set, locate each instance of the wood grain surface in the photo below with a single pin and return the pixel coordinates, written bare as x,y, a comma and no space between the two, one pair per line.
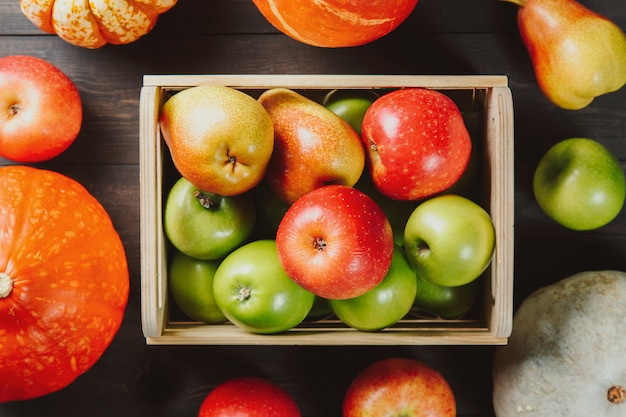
231,37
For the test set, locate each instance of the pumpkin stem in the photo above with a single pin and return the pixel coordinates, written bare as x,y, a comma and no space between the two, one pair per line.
6,285
616,394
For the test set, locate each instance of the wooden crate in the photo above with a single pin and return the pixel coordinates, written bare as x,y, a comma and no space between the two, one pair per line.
489,324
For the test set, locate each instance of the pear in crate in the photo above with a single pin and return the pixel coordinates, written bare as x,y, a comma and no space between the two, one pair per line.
220,138
313,146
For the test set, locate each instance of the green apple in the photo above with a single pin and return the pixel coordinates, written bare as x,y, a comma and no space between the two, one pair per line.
580,184
205,225
350,105
190,282
384,305
449,240
254,292
443,301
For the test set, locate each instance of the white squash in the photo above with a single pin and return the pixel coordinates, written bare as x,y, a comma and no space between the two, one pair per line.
567,352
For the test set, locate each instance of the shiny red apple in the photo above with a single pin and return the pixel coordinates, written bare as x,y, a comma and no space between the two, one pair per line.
336,242
417,143
40,109
249,397
399,387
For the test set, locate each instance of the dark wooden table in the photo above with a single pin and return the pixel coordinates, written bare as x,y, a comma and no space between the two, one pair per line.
220,37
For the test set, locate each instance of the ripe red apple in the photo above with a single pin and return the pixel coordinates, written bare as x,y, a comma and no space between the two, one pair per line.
399,387
417,143
40,109
336,242
249,397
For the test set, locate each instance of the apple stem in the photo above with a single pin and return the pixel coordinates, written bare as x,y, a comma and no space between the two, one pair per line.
319,244
205,200
6,285
14,109
616,394
244,294
423,248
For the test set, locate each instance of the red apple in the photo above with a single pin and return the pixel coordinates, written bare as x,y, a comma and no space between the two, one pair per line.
399,387
336,242
417,143
40,109
249,397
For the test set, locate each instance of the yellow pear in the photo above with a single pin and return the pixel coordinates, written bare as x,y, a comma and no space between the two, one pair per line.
220,138
577,53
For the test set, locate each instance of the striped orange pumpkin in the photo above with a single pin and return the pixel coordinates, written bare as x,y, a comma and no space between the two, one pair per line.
336,23
94,23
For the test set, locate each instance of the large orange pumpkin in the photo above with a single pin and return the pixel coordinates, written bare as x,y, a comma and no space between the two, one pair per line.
63,281
94,23
335,23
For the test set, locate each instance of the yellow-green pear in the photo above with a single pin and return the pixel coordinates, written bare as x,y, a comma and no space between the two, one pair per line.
220,138
577,53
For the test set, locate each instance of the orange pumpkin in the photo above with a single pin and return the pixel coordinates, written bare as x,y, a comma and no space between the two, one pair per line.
64,281
94,23
335,23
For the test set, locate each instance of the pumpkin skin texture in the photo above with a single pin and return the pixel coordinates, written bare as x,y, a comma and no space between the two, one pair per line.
94,23
335,23
64,281
565,356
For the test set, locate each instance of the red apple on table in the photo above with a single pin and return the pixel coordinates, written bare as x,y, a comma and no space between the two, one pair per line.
40,109
417,143
249,397
336,242
399,387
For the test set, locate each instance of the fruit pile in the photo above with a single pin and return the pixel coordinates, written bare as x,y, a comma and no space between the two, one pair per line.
289,208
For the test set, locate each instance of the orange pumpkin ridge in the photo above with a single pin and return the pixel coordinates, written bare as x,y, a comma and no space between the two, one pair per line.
333,23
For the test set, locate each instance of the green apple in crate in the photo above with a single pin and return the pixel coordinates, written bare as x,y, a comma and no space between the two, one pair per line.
449,240
255,293
580,184
350,105
385,304
444,301
205,225
190,282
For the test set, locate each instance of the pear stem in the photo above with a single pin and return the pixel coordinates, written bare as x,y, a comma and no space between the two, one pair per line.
520,3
